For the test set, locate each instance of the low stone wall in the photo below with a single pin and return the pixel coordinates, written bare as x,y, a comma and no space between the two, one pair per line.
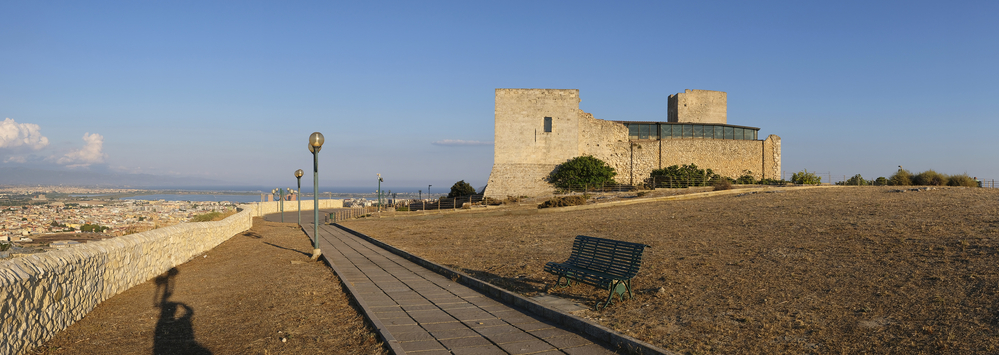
43,294
263,208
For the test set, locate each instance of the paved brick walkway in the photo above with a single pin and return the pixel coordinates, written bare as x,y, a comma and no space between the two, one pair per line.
422,312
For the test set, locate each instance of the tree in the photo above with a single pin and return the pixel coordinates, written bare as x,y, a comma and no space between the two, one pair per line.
461,188
806,178
582,171
683,176
856,180
901,177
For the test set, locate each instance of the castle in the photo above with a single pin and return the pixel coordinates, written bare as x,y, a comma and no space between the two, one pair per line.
538,129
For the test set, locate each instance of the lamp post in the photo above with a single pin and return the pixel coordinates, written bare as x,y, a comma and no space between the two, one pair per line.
315,144
379,192
298,175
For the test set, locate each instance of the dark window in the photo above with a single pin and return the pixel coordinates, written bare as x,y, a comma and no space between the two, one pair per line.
548,124
632,131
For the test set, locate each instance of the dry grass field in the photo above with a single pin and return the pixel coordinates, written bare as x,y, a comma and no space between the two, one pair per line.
831,270
256,293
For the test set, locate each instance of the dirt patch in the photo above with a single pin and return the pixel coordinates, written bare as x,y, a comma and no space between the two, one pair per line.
834,270
257,293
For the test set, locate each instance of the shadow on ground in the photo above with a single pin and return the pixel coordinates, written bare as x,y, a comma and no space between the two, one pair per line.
174,334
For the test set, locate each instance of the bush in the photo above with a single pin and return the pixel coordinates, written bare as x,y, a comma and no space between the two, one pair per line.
962,180
461,188
930,177
856,180
901,178
93,228
881,181
4,246
402,208
746,178
582,171
682,176
563,201
769,181
722,184
805,178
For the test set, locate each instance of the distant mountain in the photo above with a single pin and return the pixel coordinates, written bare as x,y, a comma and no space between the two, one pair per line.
35,176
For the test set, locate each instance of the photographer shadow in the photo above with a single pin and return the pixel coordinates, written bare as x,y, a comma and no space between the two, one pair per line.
174,333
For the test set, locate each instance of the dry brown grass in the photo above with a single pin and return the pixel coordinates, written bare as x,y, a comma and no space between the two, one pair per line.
242,297
834,270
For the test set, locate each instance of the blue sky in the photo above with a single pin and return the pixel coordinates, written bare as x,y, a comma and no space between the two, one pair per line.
231,90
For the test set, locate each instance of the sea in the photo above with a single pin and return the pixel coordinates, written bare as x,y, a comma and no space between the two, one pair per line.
246,194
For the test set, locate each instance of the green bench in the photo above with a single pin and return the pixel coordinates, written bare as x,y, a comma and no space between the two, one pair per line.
605,263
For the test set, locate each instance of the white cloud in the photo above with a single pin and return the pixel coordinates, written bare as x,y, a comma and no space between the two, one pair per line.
459,142
14,135
92,153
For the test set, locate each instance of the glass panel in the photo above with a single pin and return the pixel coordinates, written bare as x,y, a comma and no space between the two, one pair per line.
643,131
749,135
756,134
654,131
687,131
548,124
632,131
738,133
728,132
698,131
718,132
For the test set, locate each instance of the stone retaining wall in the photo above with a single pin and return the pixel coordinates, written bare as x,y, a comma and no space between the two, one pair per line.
263,208
43,294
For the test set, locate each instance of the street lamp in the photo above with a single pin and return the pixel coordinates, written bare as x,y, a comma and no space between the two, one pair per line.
315,145
379,192
280,201
298,175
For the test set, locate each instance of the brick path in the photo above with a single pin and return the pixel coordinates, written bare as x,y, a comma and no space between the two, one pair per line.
421,312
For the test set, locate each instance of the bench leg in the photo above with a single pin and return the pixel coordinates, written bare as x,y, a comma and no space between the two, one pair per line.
619,288
568,282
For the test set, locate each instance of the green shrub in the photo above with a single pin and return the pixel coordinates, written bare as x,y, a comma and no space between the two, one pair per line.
402,208
856,180
682,176
93,228
722,184
4,246
962,180
769,181
563,201
805,178
901,178
930,178
881,181
461,188
747,178
582,171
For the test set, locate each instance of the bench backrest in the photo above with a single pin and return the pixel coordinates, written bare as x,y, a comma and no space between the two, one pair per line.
614,257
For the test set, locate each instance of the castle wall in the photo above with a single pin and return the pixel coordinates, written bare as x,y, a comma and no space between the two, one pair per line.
698,106
525,154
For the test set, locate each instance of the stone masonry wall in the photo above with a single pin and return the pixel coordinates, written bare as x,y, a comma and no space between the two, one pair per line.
43,294
698,106
520,133
771,157
519,180
263,208
525,155
634,161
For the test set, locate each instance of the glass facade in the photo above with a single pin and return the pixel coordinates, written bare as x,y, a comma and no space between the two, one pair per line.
662,130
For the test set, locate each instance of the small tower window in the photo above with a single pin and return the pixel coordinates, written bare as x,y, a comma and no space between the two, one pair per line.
548,124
